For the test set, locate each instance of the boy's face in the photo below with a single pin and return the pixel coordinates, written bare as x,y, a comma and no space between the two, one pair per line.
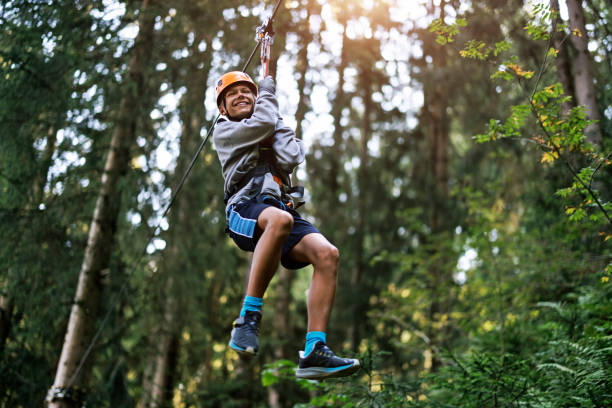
238,103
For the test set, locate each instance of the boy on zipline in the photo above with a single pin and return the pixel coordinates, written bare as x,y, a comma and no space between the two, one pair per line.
258,153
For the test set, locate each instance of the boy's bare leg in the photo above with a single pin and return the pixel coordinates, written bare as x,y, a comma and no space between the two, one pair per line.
317,250
323,363
276,226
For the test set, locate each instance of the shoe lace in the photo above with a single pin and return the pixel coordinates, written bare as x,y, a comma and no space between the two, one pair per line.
252,324
326,352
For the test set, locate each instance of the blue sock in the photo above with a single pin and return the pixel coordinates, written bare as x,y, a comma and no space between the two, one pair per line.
251,303
311,338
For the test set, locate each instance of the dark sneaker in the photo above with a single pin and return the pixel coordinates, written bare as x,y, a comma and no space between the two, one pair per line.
322,363
244,334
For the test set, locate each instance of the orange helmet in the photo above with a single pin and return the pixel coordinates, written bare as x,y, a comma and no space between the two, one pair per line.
231,78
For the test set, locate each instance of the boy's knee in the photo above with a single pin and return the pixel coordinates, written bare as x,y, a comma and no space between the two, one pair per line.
328,256
333,254
285,221
279,220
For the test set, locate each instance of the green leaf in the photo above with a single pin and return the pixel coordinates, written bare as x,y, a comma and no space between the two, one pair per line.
502,74
564,192
501,47
578,215
269,378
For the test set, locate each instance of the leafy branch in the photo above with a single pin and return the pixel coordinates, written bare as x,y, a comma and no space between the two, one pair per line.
533,103
560,134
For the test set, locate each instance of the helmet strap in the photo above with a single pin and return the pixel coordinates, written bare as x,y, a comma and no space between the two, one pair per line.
225,108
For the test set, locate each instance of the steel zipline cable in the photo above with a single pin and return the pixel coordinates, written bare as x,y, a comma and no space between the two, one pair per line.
265,27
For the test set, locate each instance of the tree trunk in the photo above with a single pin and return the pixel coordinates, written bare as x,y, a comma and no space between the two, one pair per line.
564,71
213,309
438,134
438,159
435,120
338,106
147,384
72,371
165,357
282,329
584,81
6,312
362,181
301,69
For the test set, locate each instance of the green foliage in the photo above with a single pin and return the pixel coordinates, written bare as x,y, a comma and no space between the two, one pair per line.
559,134
446,33
539,25
371,387
484,380
575,367
571,369
477,49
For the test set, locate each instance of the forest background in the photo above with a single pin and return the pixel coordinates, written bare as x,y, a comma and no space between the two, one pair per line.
458,156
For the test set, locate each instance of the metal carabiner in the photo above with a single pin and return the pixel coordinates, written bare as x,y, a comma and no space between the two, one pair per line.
265,35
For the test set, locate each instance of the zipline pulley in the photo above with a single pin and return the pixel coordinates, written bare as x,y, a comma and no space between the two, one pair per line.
265,35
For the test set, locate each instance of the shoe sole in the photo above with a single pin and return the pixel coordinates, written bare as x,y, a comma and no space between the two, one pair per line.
320,373
241,350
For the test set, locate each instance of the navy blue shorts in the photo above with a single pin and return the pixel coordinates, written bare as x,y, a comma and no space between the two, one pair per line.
242,225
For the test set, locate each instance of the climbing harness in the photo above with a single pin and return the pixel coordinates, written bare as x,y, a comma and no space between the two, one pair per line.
267,164
69,392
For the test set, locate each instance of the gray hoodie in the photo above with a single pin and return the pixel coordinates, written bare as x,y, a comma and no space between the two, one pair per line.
237,145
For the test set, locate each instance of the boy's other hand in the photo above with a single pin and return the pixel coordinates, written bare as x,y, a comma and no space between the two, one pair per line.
267,84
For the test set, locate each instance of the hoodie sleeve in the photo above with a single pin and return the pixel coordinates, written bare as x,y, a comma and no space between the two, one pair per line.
288,149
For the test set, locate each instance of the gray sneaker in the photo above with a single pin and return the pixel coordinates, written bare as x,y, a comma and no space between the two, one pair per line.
322,363
244,334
